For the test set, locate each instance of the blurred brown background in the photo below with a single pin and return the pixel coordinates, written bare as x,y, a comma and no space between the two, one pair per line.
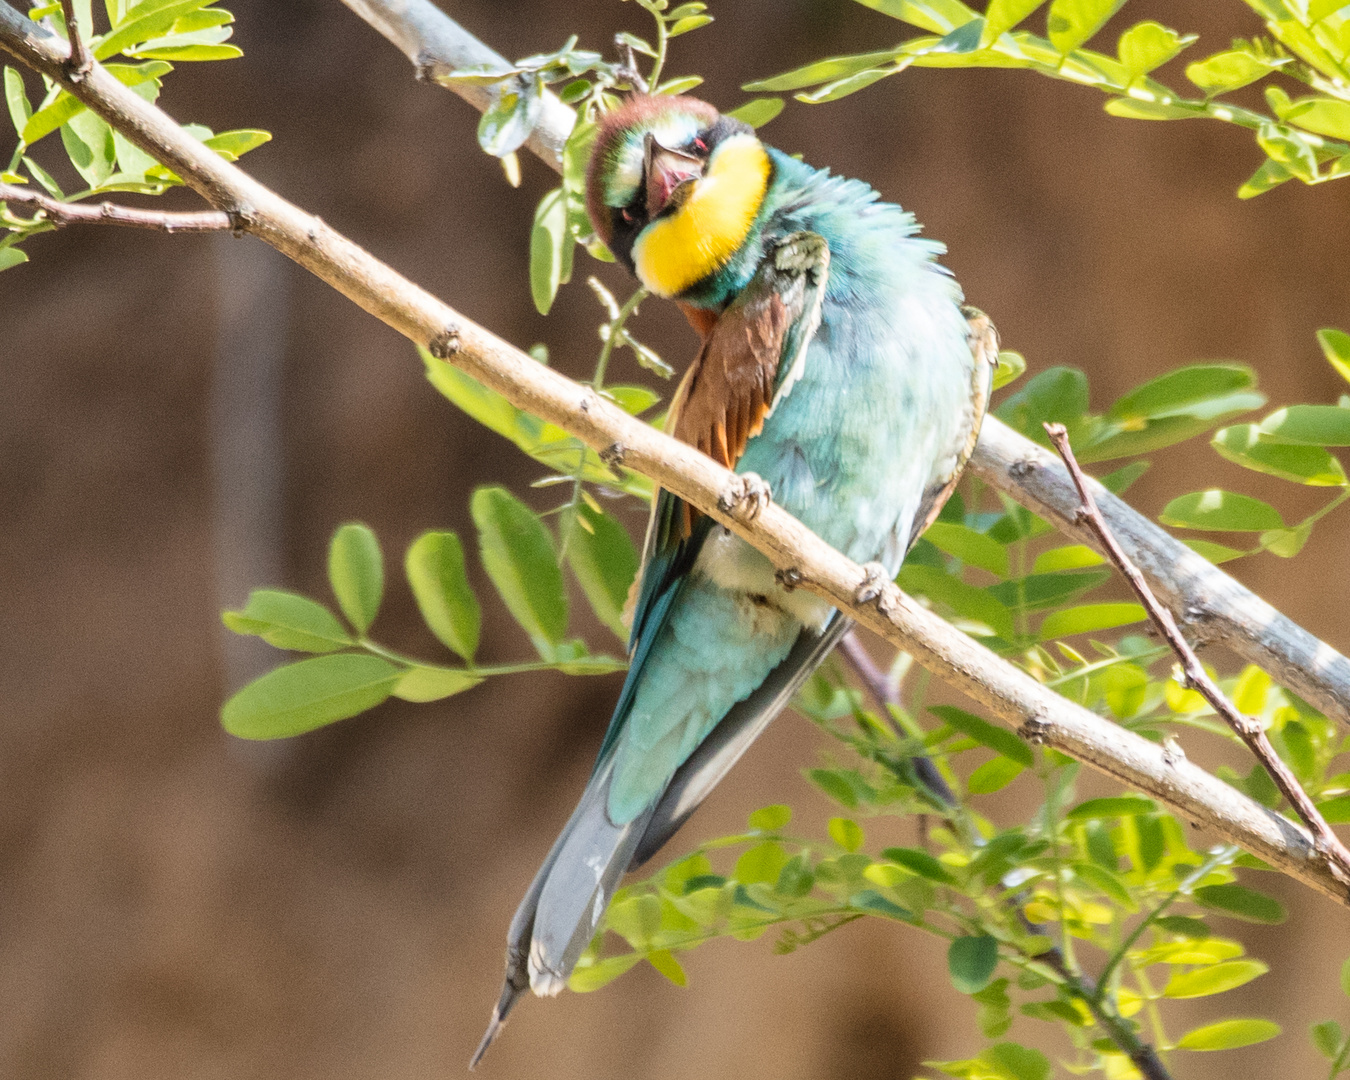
186,417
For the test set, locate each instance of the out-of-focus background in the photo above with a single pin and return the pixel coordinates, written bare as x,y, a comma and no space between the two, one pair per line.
185,417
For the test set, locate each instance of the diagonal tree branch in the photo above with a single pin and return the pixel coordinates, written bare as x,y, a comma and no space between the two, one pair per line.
1038,713
1214,608
1245,727
106,213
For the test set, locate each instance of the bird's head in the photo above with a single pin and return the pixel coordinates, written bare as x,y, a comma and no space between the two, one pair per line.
673,189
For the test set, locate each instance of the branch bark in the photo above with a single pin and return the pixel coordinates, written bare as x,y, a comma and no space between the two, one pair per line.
1038,713
1212,606
106,213
1245,727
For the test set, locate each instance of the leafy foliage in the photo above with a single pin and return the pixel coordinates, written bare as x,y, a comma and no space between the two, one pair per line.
155,34
1307,138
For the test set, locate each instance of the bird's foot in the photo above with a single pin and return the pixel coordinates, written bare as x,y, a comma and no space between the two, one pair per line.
875,579
745,498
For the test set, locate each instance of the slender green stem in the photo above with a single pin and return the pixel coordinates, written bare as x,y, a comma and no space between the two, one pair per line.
1221,856
468,669
615,335
662,38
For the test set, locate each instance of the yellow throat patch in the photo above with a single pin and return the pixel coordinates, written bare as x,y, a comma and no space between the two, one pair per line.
700,237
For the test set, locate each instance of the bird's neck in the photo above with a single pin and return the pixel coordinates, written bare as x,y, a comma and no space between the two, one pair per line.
700,237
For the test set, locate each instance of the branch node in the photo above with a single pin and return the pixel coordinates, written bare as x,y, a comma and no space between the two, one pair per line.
745,497
1173,754
613,455
789,577
1021,468
1034,729
424,66
445,344
874,582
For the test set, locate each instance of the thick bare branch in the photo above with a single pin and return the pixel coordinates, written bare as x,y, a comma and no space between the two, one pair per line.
1245,727
1009,693
1211,605
106,213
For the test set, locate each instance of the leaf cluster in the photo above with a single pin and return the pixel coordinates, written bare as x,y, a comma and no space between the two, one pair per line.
1307,138
155,35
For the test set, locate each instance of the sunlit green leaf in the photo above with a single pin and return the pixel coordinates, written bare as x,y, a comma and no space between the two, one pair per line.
761,863
689,22
309,694
996,738
1069,557
1002,15
1336,348
1148,45
821,71
935,16
1248,446
993,775
1315,425
1216,979
1087,618
16,98
1241,903
846,832
288,621
356,573
1324,115
770,818
433,683
590,977
605,563
143,22
551,246
969,546
966,600
435,569
1221,511
1228,1035
1112,807
1228,70
758,111
1072,22
1328,1038
1011,365
519,558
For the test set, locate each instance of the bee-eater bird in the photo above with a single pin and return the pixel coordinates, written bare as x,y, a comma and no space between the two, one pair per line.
838,371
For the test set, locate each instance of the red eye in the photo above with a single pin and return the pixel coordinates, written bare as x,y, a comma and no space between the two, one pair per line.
701,144
627,215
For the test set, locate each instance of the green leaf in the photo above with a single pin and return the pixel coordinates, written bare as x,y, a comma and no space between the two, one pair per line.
664,961
846,832
11,256
50,117
88,141
518,556
433,683
1002,15
758,111
1178,392
873,901
1072,22
16,98
590,977
971,962
309,694
1270,174
985,733
921,863
435,568
935,16
287,620
1315,425
1135,109
689,22
232,145
1215,553
1149,45
969,546
1336,348
1011,365
1221,511
605,563
1215,979
356,573
1241,903
1039,591
1228,1035
1069,557
1056,395
1324,115
1328,1038
146,20
771,818
1113,806
1228,70
821,71
1103,880
1248,446
1087,618
993,775
510,119
632,399
551,248
188,53
966,600
1017,1062
761,863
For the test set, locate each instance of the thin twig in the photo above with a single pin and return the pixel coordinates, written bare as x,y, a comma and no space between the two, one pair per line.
63,213
1009,693
81,61
886,696
1247,728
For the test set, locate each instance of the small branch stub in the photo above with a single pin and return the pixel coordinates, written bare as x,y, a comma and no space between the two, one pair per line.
81,61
